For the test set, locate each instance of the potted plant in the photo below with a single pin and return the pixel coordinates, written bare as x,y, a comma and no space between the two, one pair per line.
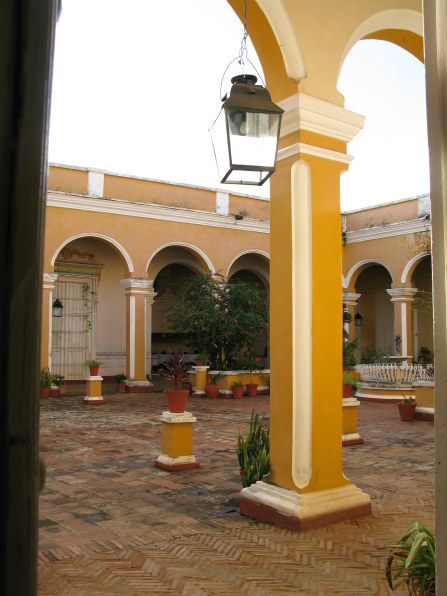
46,378
120,380
349,381
251,365
59,381
407,408
238,389
211,388
202,359
412,561
176,369
93,365
253,452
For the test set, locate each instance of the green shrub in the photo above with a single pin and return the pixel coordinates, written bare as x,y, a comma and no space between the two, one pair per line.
253,452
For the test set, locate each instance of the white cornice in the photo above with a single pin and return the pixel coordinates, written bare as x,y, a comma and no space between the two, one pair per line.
399,228
305,148
151,211
304,112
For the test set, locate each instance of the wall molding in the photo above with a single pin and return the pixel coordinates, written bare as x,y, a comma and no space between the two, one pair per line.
151,211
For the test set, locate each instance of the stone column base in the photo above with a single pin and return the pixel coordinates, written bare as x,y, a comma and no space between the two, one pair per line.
424,413
173,464
351,439
139,386
303,511
92,401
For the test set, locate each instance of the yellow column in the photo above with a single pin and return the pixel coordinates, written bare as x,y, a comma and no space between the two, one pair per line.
403,320
49,280
306,487
137,292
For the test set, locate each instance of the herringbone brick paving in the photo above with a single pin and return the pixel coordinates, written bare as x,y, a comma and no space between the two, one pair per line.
112,523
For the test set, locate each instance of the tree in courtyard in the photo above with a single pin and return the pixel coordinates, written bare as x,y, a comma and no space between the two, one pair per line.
219,317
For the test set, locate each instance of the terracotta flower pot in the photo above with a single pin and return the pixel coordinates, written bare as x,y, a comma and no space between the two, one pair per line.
62,389
238,392
347,389
177,400
406,411
54,391
211,390
45,392
94,370
121,387
252,389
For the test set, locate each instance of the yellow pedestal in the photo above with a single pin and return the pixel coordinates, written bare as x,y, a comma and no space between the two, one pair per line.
200,379
350,435
94,396
176,442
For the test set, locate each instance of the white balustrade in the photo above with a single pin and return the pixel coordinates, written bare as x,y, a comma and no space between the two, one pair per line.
390,373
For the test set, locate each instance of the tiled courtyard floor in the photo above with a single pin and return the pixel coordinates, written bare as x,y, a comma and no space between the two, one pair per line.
112,523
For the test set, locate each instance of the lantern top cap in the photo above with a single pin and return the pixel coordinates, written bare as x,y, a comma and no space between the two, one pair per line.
245,94
245,79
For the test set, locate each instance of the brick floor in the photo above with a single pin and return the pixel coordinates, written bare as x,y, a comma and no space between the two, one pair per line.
112,523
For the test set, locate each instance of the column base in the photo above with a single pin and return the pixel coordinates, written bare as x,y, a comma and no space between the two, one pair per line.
424,413
92,401
139,386
351,439
303,511
172,464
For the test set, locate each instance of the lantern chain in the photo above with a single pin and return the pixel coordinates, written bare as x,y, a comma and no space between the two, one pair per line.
243,52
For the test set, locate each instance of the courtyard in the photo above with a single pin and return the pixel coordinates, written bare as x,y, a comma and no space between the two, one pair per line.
112,523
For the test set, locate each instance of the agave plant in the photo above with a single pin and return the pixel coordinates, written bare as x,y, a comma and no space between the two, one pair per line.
253,452
412,561
176,371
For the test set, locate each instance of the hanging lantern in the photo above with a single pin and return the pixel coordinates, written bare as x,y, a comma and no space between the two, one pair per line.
358,320
57,308
245,135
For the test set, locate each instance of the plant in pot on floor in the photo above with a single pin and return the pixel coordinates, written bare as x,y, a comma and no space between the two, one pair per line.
252,365
238,389
211,388
253,452
93,366
46,378
59,380
176,370
120,380
349,382
407,408
202,359
412,561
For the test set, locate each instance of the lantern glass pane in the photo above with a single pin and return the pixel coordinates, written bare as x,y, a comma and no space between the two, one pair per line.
253,138
220,144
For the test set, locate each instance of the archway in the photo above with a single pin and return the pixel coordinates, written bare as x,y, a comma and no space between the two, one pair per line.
88,284
377,331
423,311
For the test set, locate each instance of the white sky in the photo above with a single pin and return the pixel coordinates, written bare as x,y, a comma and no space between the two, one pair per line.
136,87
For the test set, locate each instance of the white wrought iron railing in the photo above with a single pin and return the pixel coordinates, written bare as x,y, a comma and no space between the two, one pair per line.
397,375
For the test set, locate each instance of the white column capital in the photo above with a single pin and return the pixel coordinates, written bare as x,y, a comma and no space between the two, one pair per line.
137,285
350,299
402,294
49,279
